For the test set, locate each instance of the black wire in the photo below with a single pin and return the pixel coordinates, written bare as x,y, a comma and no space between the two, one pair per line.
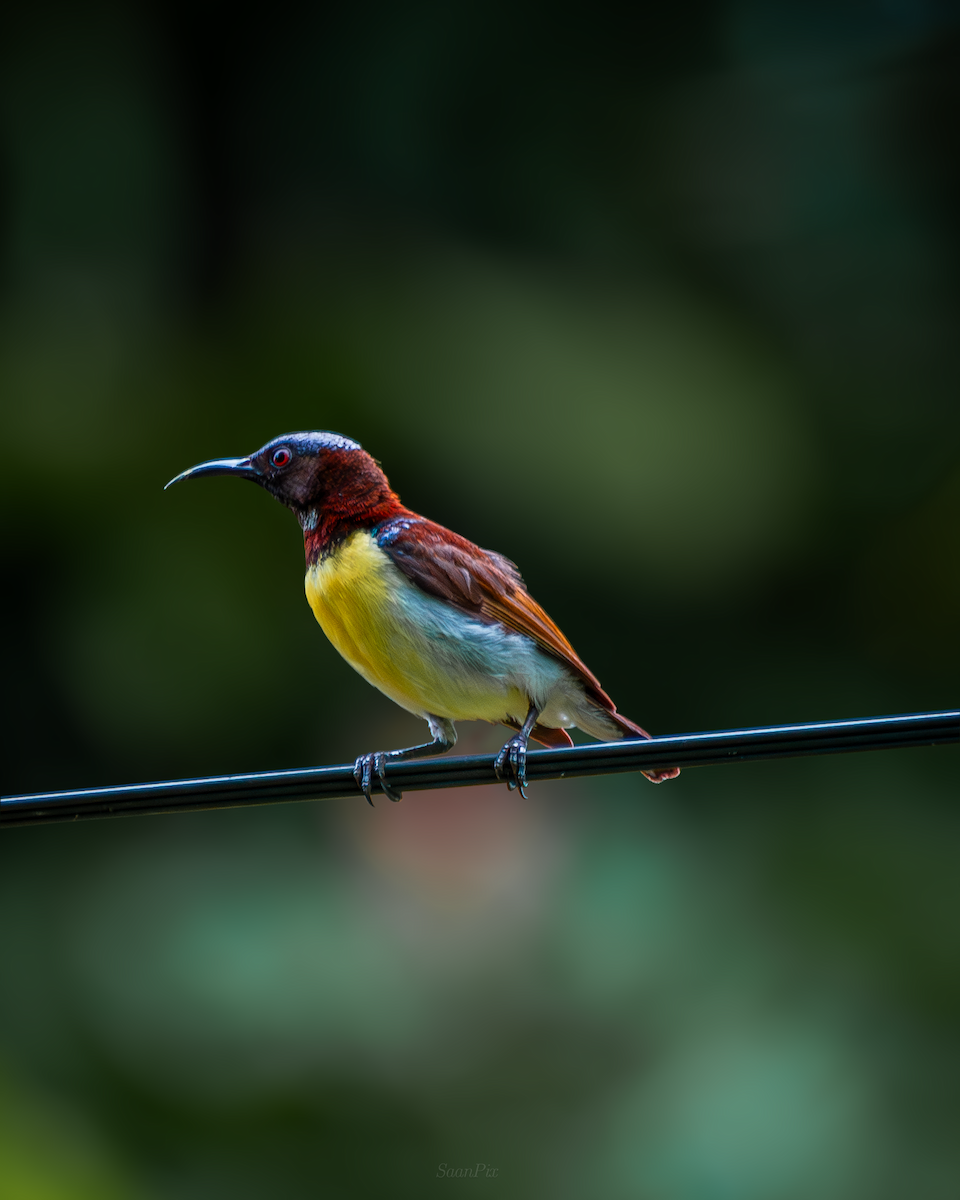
599,758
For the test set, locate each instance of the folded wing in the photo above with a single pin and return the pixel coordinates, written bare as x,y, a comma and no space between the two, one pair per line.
487,586
482,584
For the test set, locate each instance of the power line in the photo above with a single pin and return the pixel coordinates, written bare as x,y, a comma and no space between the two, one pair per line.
599,758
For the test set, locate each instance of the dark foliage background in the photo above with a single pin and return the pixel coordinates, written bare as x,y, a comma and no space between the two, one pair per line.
661,304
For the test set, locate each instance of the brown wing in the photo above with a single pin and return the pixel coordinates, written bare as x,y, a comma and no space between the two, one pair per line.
480,583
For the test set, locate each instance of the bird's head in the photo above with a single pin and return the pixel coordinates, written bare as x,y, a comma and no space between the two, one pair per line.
315,474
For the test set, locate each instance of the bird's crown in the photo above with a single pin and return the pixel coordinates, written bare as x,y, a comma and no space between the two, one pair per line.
309,442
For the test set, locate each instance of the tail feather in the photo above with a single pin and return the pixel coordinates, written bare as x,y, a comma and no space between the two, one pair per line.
629,728
604,724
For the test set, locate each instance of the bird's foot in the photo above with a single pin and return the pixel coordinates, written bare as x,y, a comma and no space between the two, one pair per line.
660,776
363,772
510,764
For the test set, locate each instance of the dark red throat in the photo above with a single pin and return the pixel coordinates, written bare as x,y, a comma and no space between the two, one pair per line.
353,494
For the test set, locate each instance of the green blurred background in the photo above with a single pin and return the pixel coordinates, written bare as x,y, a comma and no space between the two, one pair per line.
664,306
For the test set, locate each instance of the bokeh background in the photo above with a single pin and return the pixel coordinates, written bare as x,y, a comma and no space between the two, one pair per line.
663,304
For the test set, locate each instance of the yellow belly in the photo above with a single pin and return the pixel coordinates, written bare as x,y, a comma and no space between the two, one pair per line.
365,606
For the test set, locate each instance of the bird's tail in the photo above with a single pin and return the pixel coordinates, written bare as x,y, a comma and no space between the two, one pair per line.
600,723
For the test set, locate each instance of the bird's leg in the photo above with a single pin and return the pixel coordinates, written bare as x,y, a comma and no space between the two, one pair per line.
367,765
511,763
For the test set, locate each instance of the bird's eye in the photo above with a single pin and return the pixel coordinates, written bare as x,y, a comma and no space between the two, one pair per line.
281,457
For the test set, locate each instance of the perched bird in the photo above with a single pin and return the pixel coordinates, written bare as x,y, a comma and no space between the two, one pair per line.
445,629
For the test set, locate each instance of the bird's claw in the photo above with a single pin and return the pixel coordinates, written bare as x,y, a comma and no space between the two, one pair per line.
510,764
363,772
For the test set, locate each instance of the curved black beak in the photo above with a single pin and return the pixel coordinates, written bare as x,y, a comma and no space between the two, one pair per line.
241,467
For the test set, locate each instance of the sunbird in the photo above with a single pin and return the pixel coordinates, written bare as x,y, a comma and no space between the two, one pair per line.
446,630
